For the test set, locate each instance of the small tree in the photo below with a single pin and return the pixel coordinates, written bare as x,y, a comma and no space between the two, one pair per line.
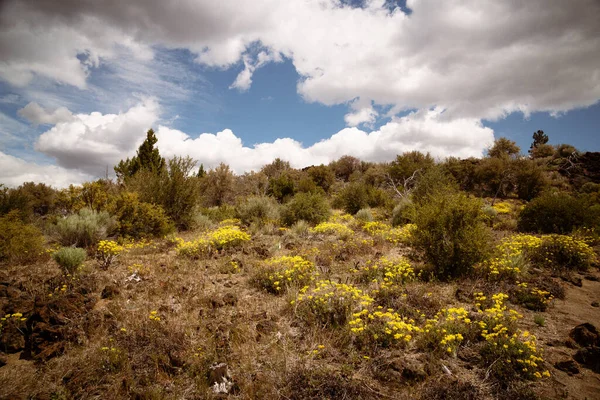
504,148
539,138
147,158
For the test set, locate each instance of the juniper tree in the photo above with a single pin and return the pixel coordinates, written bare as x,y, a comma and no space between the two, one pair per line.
147,158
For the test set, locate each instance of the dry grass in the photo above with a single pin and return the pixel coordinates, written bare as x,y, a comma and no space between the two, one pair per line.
153,324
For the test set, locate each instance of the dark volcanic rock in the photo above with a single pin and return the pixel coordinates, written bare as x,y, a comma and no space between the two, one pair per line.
585,334
589,357
568,366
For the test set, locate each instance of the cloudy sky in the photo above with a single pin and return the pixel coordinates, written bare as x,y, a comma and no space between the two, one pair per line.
243,82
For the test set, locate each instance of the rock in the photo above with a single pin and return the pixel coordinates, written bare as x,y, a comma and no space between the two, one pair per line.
230,299
569,366
585,334
595,304
570,343
591,277
3,361
109,292
575,280
217,302
589,357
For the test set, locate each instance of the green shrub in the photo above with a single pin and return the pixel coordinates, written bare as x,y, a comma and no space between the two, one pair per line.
84,229
138,219
364,215
258,209
310,207
452,233
69,258
352,198
552,213
563,252
530,179
19,242
174,188
220,213
403,212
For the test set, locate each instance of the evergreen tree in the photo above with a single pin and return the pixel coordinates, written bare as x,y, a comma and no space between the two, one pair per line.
147,158
201,171
539,138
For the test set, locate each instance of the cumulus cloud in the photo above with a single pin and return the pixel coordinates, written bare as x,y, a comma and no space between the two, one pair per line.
93,142
14,171
427,132
35,114
476,59
87,144
365,115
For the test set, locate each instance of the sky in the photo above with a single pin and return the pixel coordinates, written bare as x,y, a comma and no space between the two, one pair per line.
307,81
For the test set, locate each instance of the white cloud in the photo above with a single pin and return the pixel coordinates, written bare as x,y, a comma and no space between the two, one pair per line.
93,142
89,143
14,171
476,58
423,131
35,114
365,115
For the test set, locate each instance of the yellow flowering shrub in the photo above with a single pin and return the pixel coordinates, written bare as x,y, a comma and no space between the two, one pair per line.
381,328
332,228
376,228
224,237
386,272
446,330
510,256
498,319
402,234
108,251
230,222
227,236
502,207
386,232
563,252
532,298
341,218
276,275
508,356
329,303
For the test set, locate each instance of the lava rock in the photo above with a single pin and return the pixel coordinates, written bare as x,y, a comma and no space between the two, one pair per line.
589,357
568,366
585,334
109,292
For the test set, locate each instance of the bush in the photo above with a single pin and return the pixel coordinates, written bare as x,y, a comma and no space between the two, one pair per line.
69,258
452,233
84,229
138,219
364,215
563,252
259,209
277,275
403,212
358,195
310,207
174,188
19,242
552,213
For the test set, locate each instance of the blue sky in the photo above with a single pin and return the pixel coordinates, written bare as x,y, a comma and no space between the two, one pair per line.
366,78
